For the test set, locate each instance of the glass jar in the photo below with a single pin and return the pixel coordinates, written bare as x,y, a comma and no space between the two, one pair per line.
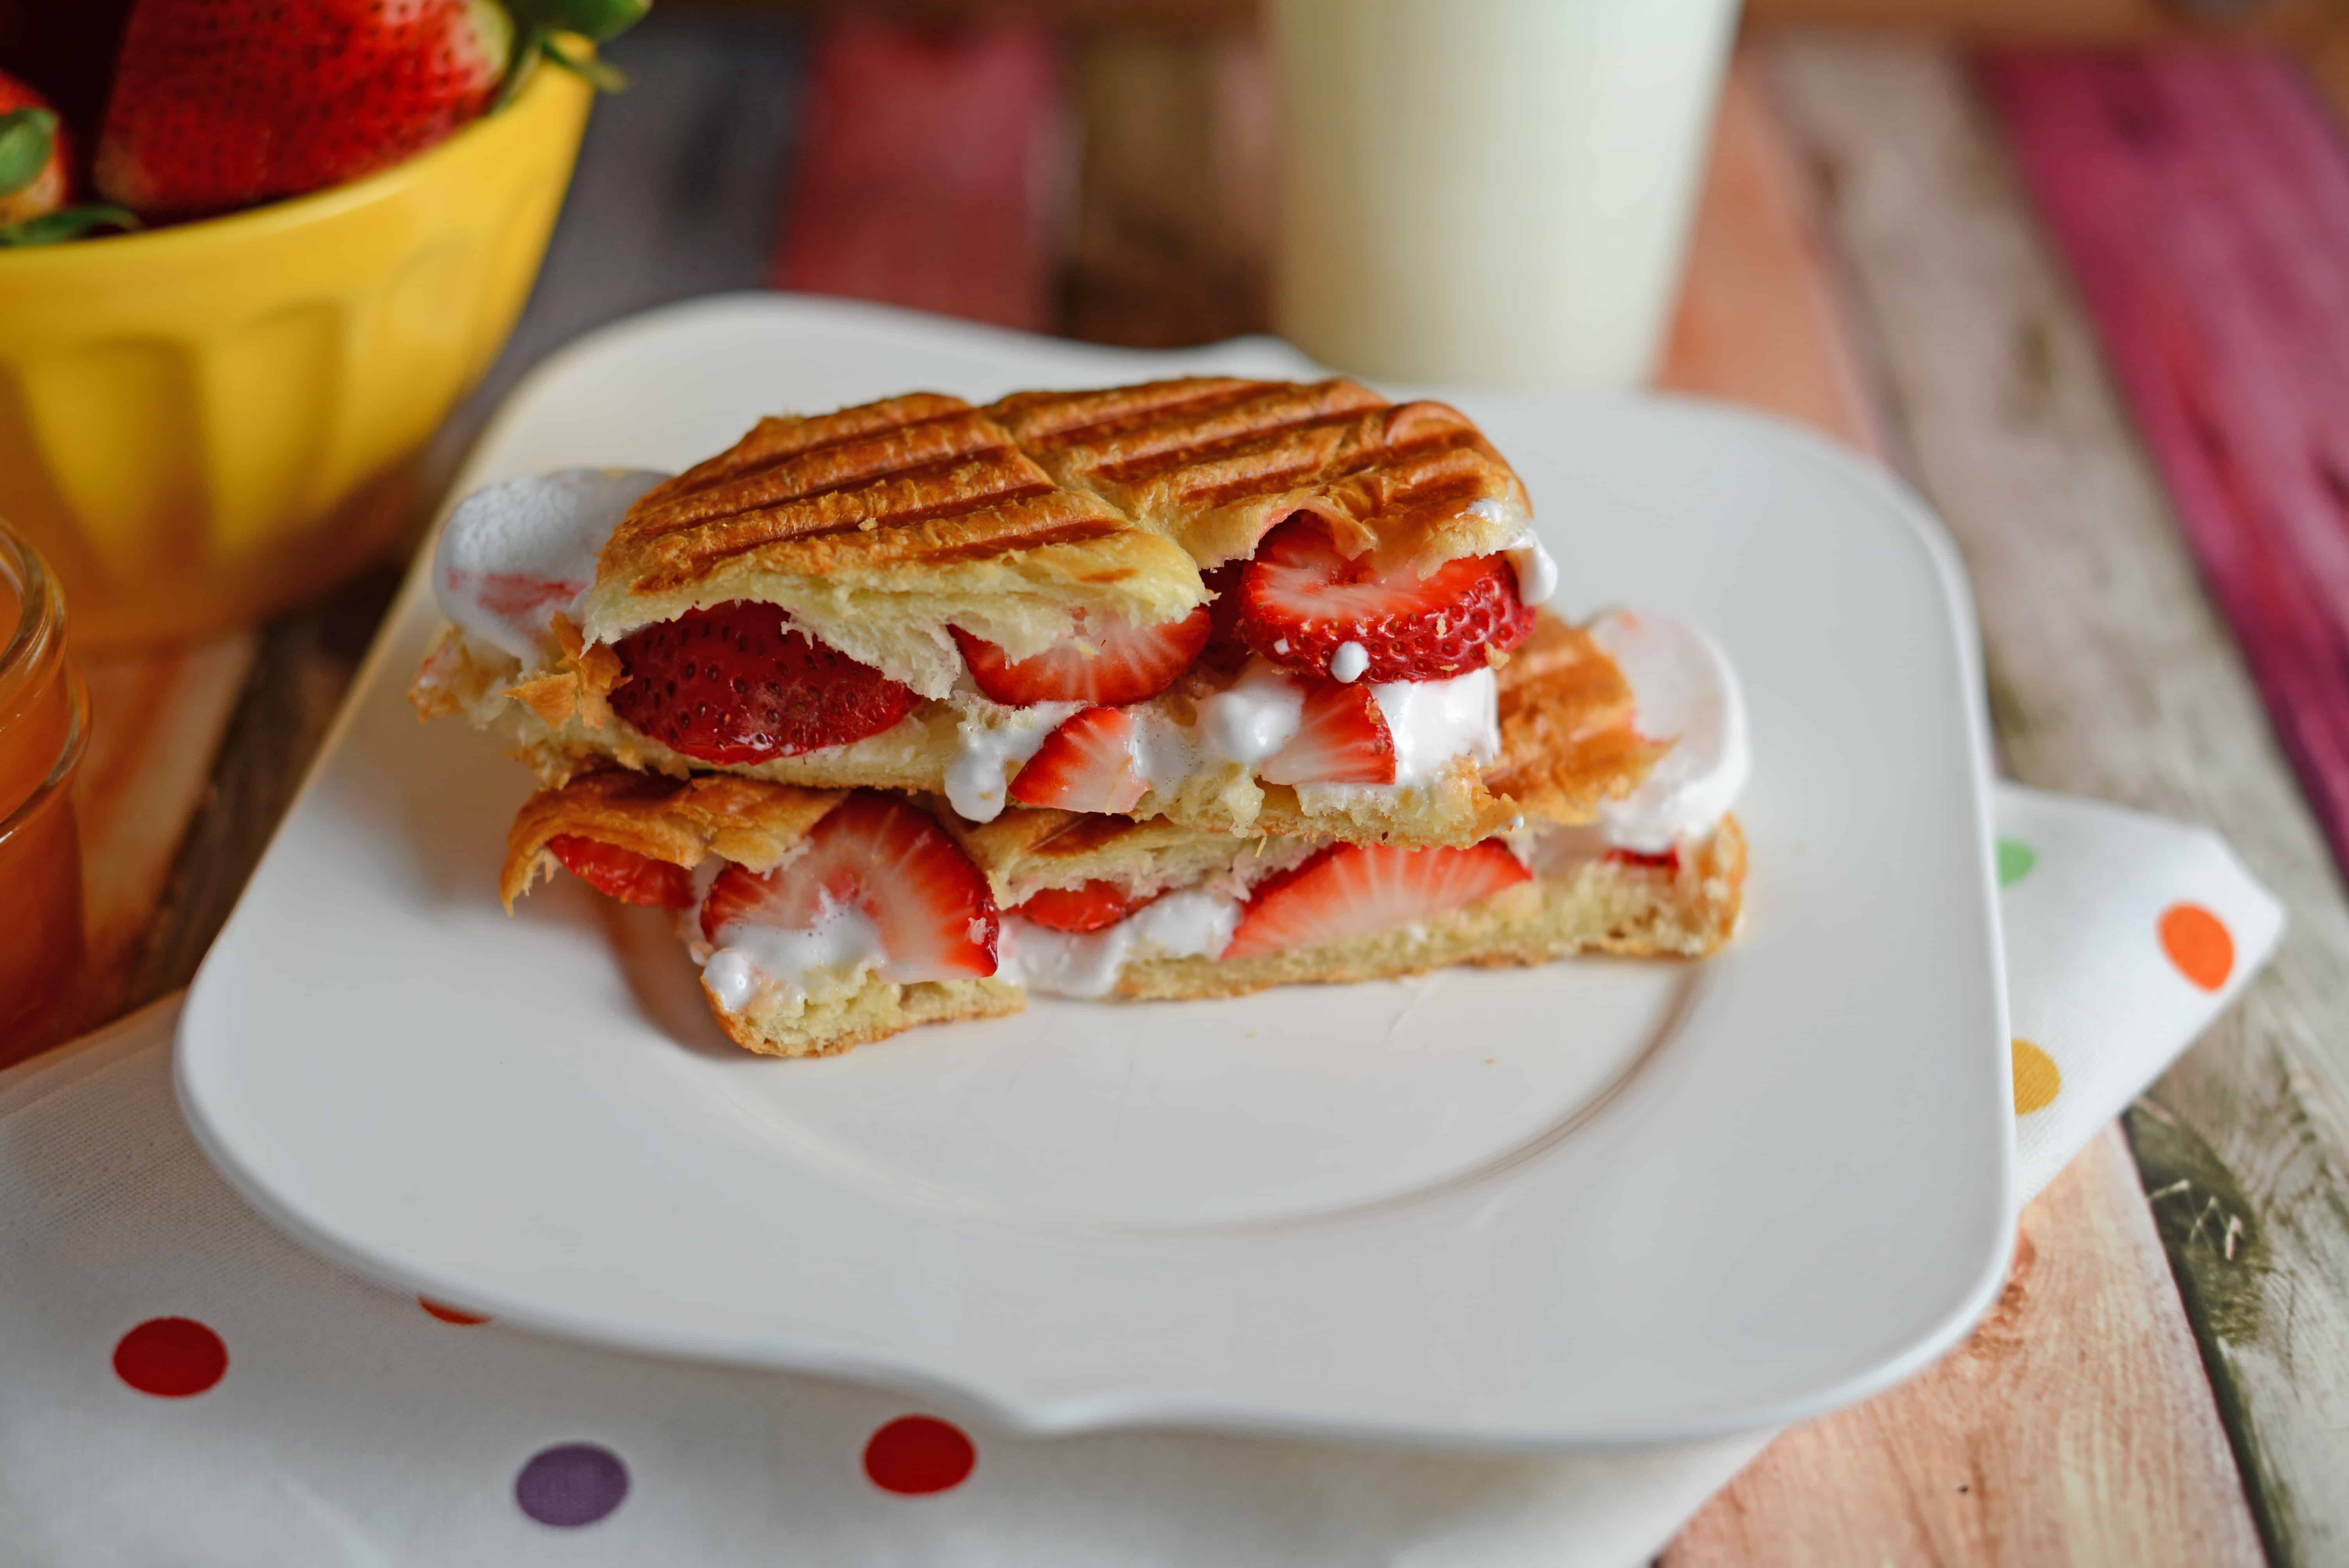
44,723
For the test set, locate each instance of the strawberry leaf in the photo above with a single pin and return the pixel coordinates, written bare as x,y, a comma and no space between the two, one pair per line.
26,138
599,21
525,62
65,223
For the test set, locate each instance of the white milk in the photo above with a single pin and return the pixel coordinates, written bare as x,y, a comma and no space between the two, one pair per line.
1490,191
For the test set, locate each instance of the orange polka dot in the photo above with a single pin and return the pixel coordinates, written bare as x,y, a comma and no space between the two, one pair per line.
448,1314
2037,1079
2198,943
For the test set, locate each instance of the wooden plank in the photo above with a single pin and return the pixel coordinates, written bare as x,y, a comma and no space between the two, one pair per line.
1990,1456
156,719
2326,57
2203,205
929,171
2130,1484
2110,677
1758,322
303,667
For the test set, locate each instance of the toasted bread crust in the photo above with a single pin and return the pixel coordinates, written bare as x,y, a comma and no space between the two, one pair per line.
874,1010
876,526
1216,462
1601,906
746,820
1567,742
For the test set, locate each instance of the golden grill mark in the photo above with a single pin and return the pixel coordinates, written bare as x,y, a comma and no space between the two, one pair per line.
1050,420
1062,533
891,500
683,559
934,447
1306,445
781,436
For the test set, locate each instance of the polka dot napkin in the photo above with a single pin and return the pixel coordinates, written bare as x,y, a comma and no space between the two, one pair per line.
181,1385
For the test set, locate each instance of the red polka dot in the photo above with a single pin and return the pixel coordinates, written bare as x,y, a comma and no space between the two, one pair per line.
171,1357
447,1313
2198,943
917,1454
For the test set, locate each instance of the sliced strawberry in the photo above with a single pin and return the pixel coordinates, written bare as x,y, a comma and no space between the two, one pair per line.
887,860
1300,602
623,874
1354,890
1086,765
1087,908
1341,740
1110,663
735,684
1227,649
1669,861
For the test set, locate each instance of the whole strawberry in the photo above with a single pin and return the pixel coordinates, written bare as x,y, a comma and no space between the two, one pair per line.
222,103
36,173
33,154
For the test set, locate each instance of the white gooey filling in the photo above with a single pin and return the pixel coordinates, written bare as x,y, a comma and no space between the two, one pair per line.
992,748
752,956
1432,724
1193,923
1684,692
1536,572
1434,721
1348,663
514,554
1253,717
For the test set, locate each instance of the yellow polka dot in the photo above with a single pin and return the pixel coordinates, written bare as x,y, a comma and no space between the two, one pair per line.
2036,1080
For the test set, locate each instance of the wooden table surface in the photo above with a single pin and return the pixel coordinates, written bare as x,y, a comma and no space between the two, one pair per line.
2166,1378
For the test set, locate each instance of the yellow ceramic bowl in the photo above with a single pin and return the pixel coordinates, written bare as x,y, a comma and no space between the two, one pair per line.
202,424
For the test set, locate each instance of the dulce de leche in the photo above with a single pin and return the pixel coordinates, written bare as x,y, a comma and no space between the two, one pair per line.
43,722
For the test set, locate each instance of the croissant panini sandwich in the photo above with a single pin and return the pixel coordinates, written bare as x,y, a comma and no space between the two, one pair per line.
1241,606
824,918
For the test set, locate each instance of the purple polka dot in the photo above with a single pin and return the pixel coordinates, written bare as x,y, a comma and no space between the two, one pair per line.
571,1484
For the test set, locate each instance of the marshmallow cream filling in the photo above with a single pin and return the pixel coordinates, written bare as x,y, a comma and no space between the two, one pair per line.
1196,922
1536,572
752,957
513,555
1684,691
991,748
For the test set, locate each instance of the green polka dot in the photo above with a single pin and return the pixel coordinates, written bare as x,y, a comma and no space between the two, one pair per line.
2016,860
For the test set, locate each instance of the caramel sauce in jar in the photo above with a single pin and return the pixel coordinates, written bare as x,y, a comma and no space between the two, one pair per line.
44,723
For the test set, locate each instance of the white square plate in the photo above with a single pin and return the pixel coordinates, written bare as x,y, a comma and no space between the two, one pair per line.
1596,1201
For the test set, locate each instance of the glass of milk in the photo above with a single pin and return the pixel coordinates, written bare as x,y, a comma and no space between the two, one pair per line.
1491,192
